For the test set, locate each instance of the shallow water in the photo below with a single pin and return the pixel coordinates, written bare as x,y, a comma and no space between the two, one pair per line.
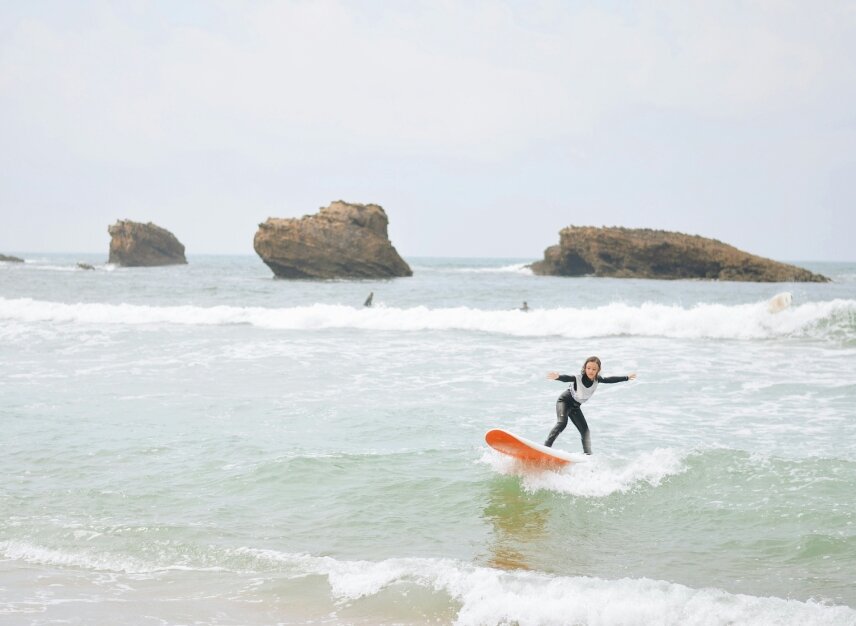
205,444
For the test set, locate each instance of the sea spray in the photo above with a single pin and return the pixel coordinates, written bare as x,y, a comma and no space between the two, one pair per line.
599,476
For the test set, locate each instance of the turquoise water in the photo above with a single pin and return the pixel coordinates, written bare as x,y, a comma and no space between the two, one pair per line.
205,444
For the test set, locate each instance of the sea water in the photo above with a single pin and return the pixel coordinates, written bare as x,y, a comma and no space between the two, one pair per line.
204,444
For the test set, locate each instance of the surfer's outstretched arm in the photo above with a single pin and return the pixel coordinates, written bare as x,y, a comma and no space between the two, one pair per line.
616,379
560,377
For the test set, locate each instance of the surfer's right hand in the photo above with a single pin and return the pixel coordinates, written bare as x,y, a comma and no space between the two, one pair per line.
552,375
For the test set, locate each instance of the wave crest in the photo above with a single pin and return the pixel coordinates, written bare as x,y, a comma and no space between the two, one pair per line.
483,595
835,319
492,596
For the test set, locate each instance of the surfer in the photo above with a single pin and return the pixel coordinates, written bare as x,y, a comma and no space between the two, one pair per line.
581,389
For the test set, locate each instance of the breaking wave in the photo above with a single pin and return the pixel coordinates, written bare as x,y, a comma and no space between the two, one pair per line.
480,595
598,477
835,319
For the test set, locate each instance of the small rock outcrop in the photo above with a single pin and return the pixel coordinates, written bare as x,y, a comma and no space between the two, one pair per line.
134,244
645,253
340,241
10,259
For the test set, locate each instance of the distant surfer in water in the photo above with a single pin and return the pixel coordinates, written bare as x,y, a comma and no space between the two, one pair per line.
582,388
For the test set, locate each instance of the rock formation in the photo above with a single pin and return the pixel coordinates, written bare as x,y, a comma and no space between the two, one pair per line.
340,241
645,253
144,245
10,259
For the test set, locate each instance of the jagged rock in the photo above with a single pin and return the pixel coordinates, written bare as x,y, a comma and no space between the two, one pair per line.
10,259
340,241
646,253
85,266
144,245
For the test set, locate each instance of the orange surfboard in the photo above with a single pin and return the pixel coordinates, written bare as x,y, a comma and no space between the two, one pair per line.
526,450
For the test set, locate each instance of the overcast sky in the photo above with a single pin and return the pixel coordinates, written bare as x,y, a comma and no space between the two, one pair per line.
482,128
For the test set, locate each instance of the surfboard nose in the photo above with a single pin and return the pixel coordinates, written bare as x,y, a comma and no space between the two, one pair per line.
523,449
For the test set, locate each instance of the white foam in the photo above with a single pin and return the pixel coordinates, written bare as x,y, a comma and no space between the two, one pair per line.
599,477
29,553
517,268
492,596
715,321
514,268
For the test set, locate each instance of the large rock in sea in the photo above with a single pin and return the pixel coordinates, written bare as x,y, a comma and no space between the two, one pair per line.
10,259
134,244
340,241
645,253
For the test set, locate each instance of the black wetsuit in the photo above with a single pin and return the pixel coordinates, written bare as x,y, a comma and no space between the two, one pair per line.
568,406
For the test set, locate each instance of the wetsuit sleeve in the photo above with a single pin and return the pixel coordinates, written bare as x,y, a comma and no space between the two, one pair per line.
612,379
565,378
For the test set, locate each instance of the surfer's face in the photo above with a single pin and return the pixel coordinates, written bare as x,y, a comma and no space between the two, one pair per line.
591,370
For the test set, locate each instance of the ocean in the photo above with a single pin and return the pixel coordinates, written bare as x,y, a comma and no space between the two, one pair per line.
204,444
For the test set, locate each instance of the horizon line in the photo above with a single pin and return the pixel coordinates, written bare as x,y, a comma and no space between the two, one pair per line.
416,256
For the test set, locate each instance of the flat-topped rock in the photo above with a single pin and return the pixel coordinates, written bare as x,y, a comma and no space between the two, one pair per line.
340,241
645,253
134,244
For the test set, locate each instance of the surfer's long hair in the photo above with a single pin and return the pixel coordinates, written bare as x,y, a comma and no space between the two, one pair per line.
591,359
